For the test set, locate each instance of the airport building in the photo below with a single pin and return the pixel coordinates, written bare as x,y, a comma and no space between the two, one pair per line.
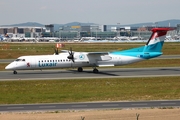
78,32
21,32
97,31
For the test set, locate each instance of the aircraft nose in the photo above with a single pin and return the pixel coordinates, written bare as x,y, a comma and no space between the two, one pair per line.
9,67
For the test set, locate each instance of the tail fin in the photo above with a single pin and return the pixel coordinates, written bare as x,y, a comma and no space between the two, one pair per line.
155,43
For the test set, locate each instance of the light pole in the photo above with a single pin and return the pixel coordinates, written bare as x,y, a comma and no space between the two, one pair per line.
118,29
60,32
96,32
156,23
79,32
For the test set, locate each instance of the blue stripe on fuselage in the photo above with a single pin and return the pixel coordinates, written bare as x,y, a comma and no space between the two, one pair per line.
145,52
143,55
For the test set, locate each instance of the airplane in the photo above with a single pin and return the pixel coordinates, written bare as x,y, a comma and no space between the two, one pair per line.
2,38
72,59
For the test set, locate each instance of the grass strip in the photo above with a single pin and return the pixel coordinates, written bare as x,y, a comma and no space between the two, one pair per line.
116,89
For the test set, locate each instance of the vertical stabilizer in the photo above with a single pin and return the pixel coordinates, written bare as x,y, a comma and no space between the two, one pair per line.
155,43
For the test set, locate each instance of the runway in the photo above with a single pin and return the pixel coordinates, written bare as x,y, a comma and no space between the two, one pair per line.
88,106
103,73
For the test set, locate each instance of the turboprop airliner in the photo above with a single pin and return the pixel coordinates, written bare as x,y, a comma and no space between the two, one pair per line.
69,58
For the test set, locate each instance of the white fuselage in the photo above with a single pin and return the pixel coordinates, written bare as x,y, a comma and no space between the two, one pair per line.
61,61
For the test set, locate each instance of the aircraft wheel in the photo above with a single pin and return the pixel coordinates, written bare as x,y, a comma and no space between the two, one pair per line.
80,69
95,70
15,72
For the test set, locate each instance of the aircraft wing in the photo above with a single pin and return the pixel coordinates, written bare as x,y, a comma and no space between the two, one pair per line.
64,51
94,57
97,53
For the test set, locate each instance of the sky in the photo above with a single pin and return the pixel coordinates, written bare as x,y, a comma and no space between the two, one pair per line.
108,12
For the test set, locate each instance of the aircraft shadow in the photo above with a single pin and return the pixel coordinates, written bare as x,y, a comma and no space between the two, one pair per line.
171,69
91,72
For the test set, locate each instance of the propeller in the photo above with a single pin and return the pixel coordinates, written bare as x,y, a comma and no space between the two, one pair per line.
71,55
56,51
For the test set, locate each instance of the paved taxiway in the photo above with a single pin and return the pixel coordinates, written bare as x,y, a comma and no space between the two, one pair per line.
88,106
103,73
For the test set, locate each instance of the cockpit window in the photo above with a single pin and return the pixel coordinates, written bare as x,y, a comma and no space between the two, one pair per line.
17,60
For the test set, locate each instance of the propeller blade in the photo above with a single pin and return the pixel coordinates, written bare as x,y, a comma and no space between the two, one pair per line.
56,51
71,55
73,60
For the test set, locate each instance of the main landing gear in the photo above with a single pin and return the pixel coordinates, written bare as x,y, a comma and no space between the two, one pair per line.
14,72
80,69
95,70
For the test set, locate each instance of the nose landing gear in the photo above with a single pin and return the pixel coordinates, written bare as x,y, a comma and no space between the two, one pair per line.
14,72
